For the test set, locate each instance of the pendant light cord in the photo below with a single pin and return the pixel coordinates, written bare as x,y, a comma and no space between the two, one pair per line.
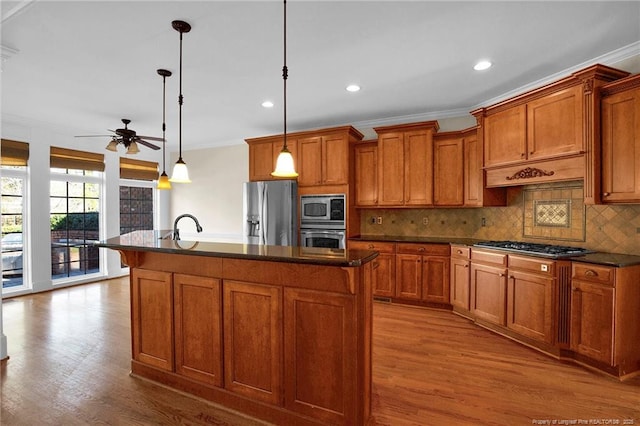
285,75
164,125
180,105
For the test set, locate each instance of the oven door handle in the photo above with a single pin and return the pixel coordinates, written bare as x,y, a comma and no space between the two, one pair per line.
322,232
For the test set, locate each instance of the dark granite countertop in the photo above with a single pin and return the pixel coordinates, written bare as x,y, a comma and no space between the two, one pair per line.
405,239
151,241
608,259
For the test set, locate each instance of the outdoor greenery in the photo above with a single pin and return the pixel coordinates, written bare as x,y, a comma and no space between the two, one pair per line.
81,221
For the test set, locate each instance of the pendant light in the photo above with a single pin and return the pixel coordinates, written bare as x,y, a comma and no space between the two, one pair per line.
180,173
284,164
163,181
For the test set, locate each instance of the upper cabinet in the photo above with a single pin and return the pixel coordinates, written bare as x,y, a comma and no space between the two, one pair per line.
621,141
321,157
366,173
405,164
547,134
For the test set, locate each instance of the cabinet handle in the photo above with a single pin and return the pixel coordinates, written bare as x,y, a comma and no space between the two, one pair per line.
590,273
421,249
512,277
459,251
466,266
371,246
522,155
606,194
501,275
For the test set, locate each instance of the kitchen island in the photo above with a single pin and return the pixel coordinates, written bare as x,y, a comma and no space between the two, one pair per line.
278,333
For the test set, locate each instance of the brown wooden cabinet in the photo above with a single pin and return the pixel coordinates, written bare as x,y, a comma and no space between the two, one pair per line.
605,302
253,331
489,286
530,309
366,174
198,328
460,278
405,164
505,136
448,171
422,272
152,318
621,141
384,266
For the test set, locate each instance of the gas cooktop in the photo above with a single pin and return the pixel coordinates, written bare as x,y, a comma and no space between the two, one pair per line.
545,250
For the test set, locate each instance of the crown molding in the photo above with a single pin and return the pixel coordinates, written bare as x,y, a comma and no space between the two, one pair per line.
19,7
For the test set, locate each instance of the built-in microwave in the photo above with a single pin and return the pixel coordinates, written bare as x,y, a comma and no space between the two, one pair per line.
326,211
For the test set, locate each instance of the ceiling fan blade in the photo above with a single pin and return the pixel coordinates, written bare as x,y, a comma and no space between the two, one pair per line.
147,144
93,136
151,138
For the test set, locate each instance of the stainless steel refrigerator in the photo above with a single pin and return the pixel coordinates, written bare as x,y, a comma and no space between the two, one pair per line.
270,212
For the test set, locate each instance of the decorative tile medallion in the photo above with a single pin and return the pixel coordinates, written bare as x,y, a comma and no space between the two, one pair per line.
552,213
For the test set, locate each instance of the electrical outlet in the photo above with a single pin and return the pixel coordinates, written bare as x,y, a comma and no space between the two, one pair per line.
372,220
484,222
425,220
544,268
379,220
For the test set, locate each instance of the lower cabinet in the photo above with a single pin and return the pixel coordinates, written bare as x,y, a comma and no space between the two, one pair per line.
529,305
152,318
318,330
253,340
422,272
198,328
460,278
488,293
384,266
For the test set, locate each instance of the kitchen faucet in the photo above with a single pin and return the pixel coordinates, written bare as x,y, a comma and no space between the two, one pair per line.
176,231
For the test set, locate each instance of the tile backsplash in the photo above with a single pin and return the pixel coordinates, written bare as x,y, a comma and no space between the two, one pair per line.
551,214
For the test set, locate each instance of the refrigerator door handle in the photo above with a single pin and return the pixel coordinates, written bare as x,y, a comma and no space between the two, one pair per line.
264,212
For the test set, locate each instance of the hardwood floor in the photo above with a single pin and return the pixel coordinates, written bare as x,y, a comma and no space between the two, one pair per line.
70,351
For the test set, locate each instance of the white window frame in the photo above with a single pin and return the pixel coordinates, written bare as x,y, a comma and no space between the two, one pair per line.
23,174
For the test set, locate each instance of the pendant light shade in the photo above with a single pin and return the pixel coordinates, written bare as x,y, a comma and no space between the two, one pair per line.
133,148
284,163
180,173
163,181
113,145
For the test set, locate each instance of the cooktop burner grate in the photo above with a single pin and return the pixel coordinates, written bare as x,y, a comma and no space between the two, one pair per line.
547,250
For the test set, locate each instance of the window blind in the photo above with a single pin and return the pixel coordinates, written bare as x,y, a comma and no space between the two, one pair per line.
138,169
13,153
63,158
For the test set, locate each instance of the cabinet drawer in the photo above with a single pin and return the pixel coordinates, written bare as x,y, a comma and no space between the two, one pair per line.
430,249
488,256
593,273
373,245
460,252
530,264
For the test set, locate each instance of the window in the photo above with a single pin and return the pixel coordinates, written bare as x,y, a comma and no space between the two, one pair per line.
137,191
75,199
13,164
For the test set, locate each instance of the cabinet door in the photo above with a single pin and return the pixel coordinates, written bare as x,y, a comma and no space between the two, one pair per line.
391,169
448,183
621,147
384,275
529,310
460,283
261,162
366,185
592,320
435,279
418,168
408,276
320,354
310,161
488,293
253,340
473,175
505,136
554,124
198,328
335,160
152,320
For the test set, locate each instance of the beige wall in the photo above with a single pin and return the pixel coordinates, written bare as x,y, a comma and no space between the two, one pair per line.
215,194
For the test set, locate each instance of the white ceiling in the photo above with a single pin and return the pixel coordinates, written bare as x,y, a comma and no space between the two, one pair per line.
81,66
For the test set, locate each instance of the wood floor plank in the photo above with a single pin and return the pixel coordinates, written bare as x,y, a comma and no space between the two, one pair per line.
70,361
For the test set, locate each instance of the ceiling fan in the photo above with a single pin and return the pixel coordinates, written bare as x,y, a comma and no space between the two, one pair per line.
128,138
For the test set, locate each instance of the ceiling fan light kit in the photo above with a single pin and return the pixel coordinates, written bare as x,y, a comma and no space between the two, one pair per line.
284,163
180,172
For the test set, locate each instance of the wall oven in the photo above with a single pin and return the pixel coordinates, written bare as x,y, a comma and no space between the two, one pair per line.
327,238
322,221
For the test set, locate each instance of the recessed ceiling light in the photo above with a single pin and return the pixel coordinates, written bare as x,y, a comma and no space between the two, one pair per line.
482,65
267,104
353,88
